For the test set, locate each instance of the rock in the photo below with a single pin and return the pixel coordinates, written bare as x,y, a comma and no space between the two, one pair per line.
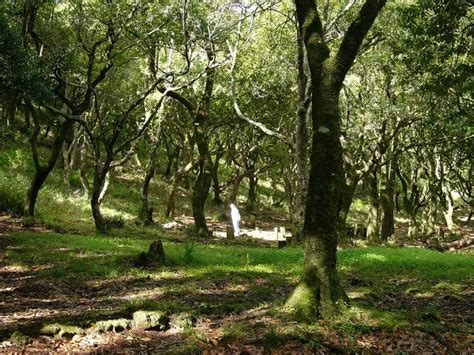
115,325
61,330
173,225
151,320
182,321
94,339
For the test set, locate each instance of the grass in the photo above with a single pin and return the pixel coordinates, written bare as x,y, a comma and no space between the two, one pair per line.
238,270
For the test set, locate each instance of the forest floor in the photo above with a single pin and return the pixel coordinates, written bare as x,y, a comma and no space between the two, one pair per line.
407,300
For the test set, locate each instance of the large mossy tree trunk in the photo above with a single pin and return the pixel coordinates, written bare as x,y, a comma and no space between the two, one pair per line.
319,292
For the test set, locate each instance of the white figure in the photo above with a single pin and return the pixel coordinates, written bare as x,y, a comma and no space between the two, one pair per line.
235,216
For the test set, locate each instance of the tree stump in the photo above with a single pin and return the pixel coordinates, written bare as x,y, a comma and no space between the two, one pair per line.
157,250
153,257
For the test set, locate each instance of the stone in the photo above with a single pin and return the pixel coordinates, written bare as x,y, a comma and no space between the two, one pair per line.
182,321
61,330
151,320
115,325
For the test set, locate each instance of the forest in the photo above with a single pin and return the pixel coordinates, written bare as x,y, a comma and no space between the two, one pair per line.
236,176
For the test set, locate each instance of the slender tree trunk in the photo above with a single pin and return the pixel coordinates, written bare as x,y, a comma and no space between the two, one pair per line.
215,180
100,182
42,172
204,178
449,210
236,187
33,191
86,188
199,197
145,214
373,226
387,196
252,194
301,137
347,198
412,222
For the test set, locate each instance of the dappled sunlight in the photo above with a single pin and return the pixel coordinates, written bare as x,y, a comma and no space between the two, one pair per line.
373,256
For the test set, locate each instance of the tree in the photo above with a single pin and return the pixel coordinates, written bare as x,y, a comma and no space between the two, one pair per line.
319,291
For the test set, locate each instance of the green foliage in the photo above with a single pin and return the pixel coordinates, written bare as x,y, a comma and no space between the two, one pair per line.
189,251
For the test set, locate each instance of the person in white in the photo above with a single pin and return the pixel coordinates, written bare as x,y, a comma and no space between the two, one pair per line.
235,216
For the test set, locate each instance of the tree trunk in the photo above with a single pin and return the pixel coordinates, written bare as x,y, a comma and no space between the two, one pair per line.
33,191
319,292
145,214
412,223
215,180
199,197
347,198
98,186
86,188
301,138
236,187
252,195
387,195
325,188
204,178
42,172
373,226
449,210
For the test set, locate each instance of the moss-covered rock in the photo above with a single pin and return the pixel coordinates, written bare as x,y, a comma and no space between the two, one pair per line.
151,320
182,321
62,330
115,325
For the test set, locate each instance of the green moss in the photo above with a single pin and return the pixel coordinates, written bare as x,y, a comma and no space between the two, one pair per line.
116,325
19,339
61,330
302,303
153,320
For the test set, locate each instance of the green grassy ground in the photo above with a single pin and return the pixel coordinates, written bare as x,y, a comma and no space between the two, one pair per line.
391,288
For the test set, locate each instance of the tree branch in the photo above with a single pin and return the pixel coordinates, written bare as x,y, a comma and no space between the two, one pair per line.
353,40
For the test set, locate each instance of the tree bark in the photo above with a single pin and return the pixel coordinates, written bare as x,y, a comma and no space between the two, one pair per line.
373,225
252,194
387,196
319,292
42,172
215,179
145,214
97,195
204,178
